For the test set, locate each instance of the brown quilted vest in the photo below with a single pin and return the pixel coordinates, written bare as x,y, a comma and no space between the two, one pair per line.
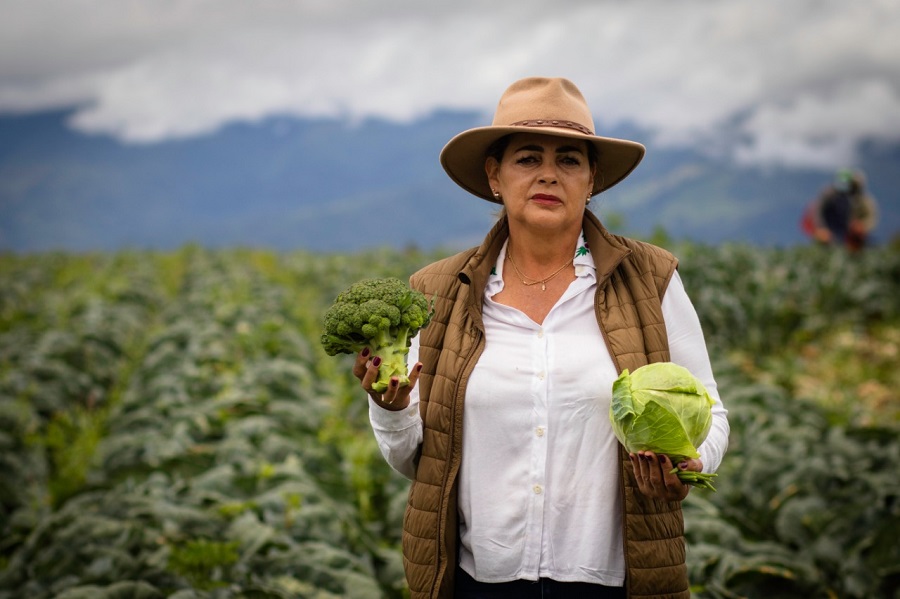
632,278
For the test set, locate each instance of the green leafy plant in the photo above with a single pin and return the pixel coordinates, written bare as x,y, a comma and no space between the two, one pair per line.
203,562
215,414
663,408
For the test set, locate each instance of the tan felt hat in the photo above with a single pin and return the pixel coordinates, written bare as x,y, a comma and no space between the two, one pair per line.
538,105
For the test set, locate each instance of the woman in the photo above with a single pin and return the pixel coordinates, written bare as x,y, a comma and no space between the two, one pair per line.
519,485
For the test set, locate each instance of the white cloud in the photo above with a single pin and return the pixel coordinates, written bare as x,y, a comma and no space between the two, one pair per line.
801,81
811,130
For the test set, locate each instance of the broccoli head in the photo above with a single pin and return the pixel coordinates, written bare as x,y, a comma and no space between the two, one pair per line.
381,314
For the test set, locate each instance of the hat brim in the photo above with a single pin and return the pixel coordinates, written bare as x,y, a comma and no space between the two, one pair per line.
463,157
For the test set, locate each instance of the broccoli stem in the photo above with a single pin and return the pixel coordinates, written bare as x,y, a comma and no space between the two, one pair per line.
392,349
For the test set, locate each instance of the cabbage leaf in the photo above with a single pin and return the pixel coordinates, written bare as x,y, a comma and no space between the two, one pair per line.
662,408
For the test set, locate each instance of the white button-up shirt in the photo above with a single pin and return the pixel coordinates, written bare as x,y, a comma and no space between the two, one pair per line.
538,482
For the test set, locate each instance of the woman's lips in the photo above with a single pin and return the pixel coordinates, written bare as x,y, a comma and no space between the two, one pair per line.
545,198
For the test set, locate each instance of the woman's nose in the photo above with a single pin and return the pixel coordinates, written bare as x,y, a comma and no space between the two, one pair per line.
547,174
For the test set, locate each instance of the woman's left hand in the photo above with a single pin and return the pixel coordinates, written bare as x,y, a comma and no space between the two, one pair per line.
655,478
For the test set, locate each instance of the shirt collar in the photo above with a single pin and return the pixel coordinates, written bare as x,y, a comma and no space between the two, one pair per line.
583,262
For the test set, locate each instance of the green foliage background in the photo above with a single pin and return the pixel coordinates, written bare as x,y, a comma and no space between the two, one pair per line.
170,427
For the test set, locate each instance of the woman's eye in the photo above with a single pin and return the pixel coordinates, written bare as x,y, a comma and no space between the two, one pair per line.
526,160
571,160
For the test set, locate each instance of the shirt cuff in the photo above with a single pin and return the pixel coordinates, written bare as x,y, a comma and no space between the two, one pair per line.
393,420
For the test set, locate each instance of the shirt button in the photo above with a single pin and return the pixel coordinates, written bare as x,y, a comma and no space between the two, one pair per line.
539,431
540,333
541,375
538,489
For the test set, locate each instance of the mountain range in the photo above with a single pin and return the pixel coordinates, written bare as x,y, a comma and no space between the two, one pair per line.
330,185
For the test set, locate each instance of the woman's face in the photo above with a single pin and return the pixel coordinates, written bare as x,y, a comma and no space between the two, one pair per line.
543,180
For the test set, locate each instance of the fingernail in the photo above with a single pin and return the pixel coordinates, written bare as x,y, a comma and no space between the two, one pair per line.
393,382
365,352
376,362
418,368
682,465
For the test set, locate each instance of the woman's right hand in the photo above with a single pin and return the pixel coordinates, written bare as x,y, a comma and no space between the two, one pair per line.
396,397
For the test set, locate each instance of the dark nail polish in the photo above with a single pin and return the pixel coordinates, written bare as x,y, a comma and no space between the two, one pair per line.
376,362
418,368
365,352
393,382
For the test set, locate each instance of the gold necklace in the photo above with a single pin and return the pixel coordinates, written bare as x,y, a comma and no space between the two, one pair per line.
534,281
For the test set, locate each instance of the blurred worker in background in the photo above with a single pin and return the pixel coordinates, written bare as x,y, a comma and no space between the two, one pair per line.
843,213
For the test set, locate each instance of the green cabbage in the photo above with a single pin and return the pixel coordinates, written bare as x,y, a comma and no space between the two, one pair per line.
663,408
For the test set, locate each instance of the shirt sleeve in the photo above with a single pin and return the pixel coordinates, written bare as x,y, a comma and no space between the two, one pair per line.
399,433
687,347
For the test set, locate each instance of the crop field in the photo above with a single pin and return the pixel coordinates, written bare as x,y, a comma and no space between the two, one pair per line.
171,427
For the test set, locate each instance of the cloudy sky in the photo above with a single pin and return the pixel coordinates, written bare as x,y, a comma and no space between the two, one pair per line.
766,81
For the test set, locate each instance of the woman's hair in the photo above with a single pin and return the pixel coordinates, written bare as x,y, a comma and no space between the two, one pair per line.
498,148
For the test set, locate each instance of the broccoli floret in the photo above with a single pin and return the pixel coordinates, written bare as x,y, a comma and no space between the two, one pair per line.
381,314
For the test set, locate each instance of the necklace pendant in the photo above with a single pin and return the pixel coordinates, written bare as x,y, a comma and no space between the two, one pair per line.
543,286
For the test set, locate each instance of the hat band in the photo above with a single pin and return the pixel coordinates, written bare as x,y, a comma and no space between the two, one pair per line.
552,123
